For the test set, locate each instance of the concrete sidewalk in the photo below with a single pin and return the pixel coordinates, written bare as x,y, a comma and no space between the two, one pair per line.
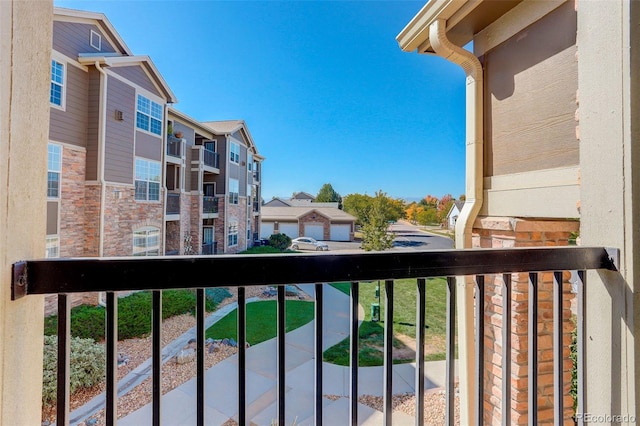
179,405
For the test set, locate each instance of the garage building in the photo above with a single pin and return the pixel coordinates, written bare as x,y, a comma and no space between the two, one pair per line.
321,223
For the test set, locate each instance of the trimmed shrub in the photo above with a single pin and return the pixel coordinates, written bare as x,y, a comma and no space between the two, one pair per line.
217,295
88,360
280,241
134,315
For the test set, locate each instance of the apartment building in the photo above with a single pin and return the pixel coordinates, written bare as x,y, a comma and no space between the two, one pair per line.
127,173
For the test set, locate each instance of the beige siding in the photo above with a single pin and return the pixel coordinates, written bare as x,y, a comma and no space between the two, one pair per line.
70,125
71,38
118,162
52,217
93,121
136,75
530,98
148,146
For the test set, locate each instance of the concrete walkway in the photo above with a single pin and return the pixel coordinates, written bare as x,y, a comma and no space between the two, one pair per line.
179,405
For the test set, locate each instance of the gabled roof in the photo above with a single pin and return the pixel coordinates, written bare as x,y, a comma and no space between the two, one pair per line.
142,60
229,127
124,56
295,213
457,204
302,196
100,20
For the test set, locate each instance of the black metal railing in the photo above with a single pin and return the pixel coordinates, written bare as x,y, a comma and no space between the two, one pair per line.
174,147
209,204
173,203
67,276
211,158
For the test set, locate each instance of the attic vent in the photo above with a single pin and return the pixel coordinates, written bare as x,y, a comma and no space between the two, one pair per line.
96,40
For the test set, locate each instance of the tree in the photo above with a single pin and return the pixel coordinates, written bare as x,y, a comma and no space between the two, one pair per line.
357,205
329,195
444,206
375,235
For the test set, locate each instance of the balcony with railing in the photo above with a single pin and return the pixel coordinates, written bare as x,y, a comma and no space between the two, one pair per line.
211,159
256,207
209,248
477,267
172,206
210,206
175,149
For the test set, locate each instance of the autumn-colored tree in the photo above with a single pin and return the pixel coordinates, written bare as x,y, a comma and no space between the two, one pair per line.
430,201
444,206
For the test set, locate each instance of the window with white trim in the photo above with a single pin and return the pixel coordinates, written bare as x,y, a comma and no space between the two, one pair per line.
249,162
148,115
232,236
147,180
54,168
96,40
57,83
234,191
146,242
234,153
53,246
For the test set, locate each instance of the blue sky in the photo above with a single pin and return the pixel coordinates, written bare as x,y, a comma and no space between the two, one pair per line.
326,92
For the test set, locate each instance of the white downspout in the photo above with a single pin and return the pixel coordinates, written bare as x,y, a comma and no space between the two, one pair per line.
474,197
102,136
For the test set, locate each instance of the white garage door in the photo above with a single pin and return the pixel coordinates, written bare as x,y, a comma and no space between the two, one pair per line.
266,229
314,231
340,232
291,229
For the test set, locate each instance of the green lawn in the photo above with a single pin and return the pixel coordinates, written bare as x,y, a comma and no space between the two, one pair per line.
372,333
261,320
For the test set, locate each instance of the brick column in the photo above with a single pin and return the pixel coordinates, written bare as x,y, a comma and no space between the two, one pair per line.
511,232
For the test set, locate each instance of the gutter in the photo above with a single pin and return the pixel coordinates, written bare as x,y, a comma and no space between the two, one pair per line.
474,198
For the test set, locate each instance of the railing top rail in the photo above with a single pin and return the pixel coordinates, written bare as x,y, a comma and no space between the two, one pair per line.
72,275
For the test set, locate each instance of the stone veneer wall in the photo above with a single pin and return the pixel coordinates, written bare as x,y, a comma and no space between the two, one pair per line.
234,212
509,232
72,202
315,218
123,215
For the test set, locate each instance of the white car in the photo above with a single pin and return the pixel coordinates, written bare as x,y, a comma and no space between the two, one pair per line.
308,243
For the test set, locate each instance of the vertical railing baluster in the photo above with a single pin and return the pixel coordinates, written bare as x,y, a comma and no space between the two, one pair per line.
506,349
319,307
533,348
451,350
156,356
64,356
353,363
580,343
281,355
242,357
558,349
111,335
388,353
420,326
480,349
201,351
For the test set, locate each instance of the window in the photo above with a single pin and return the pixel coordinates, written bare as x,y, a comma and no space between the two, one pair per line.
149,115
53,247
233,234
96,40
234,153
249,162
57,83
147,180
146,242
54,167
234,191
